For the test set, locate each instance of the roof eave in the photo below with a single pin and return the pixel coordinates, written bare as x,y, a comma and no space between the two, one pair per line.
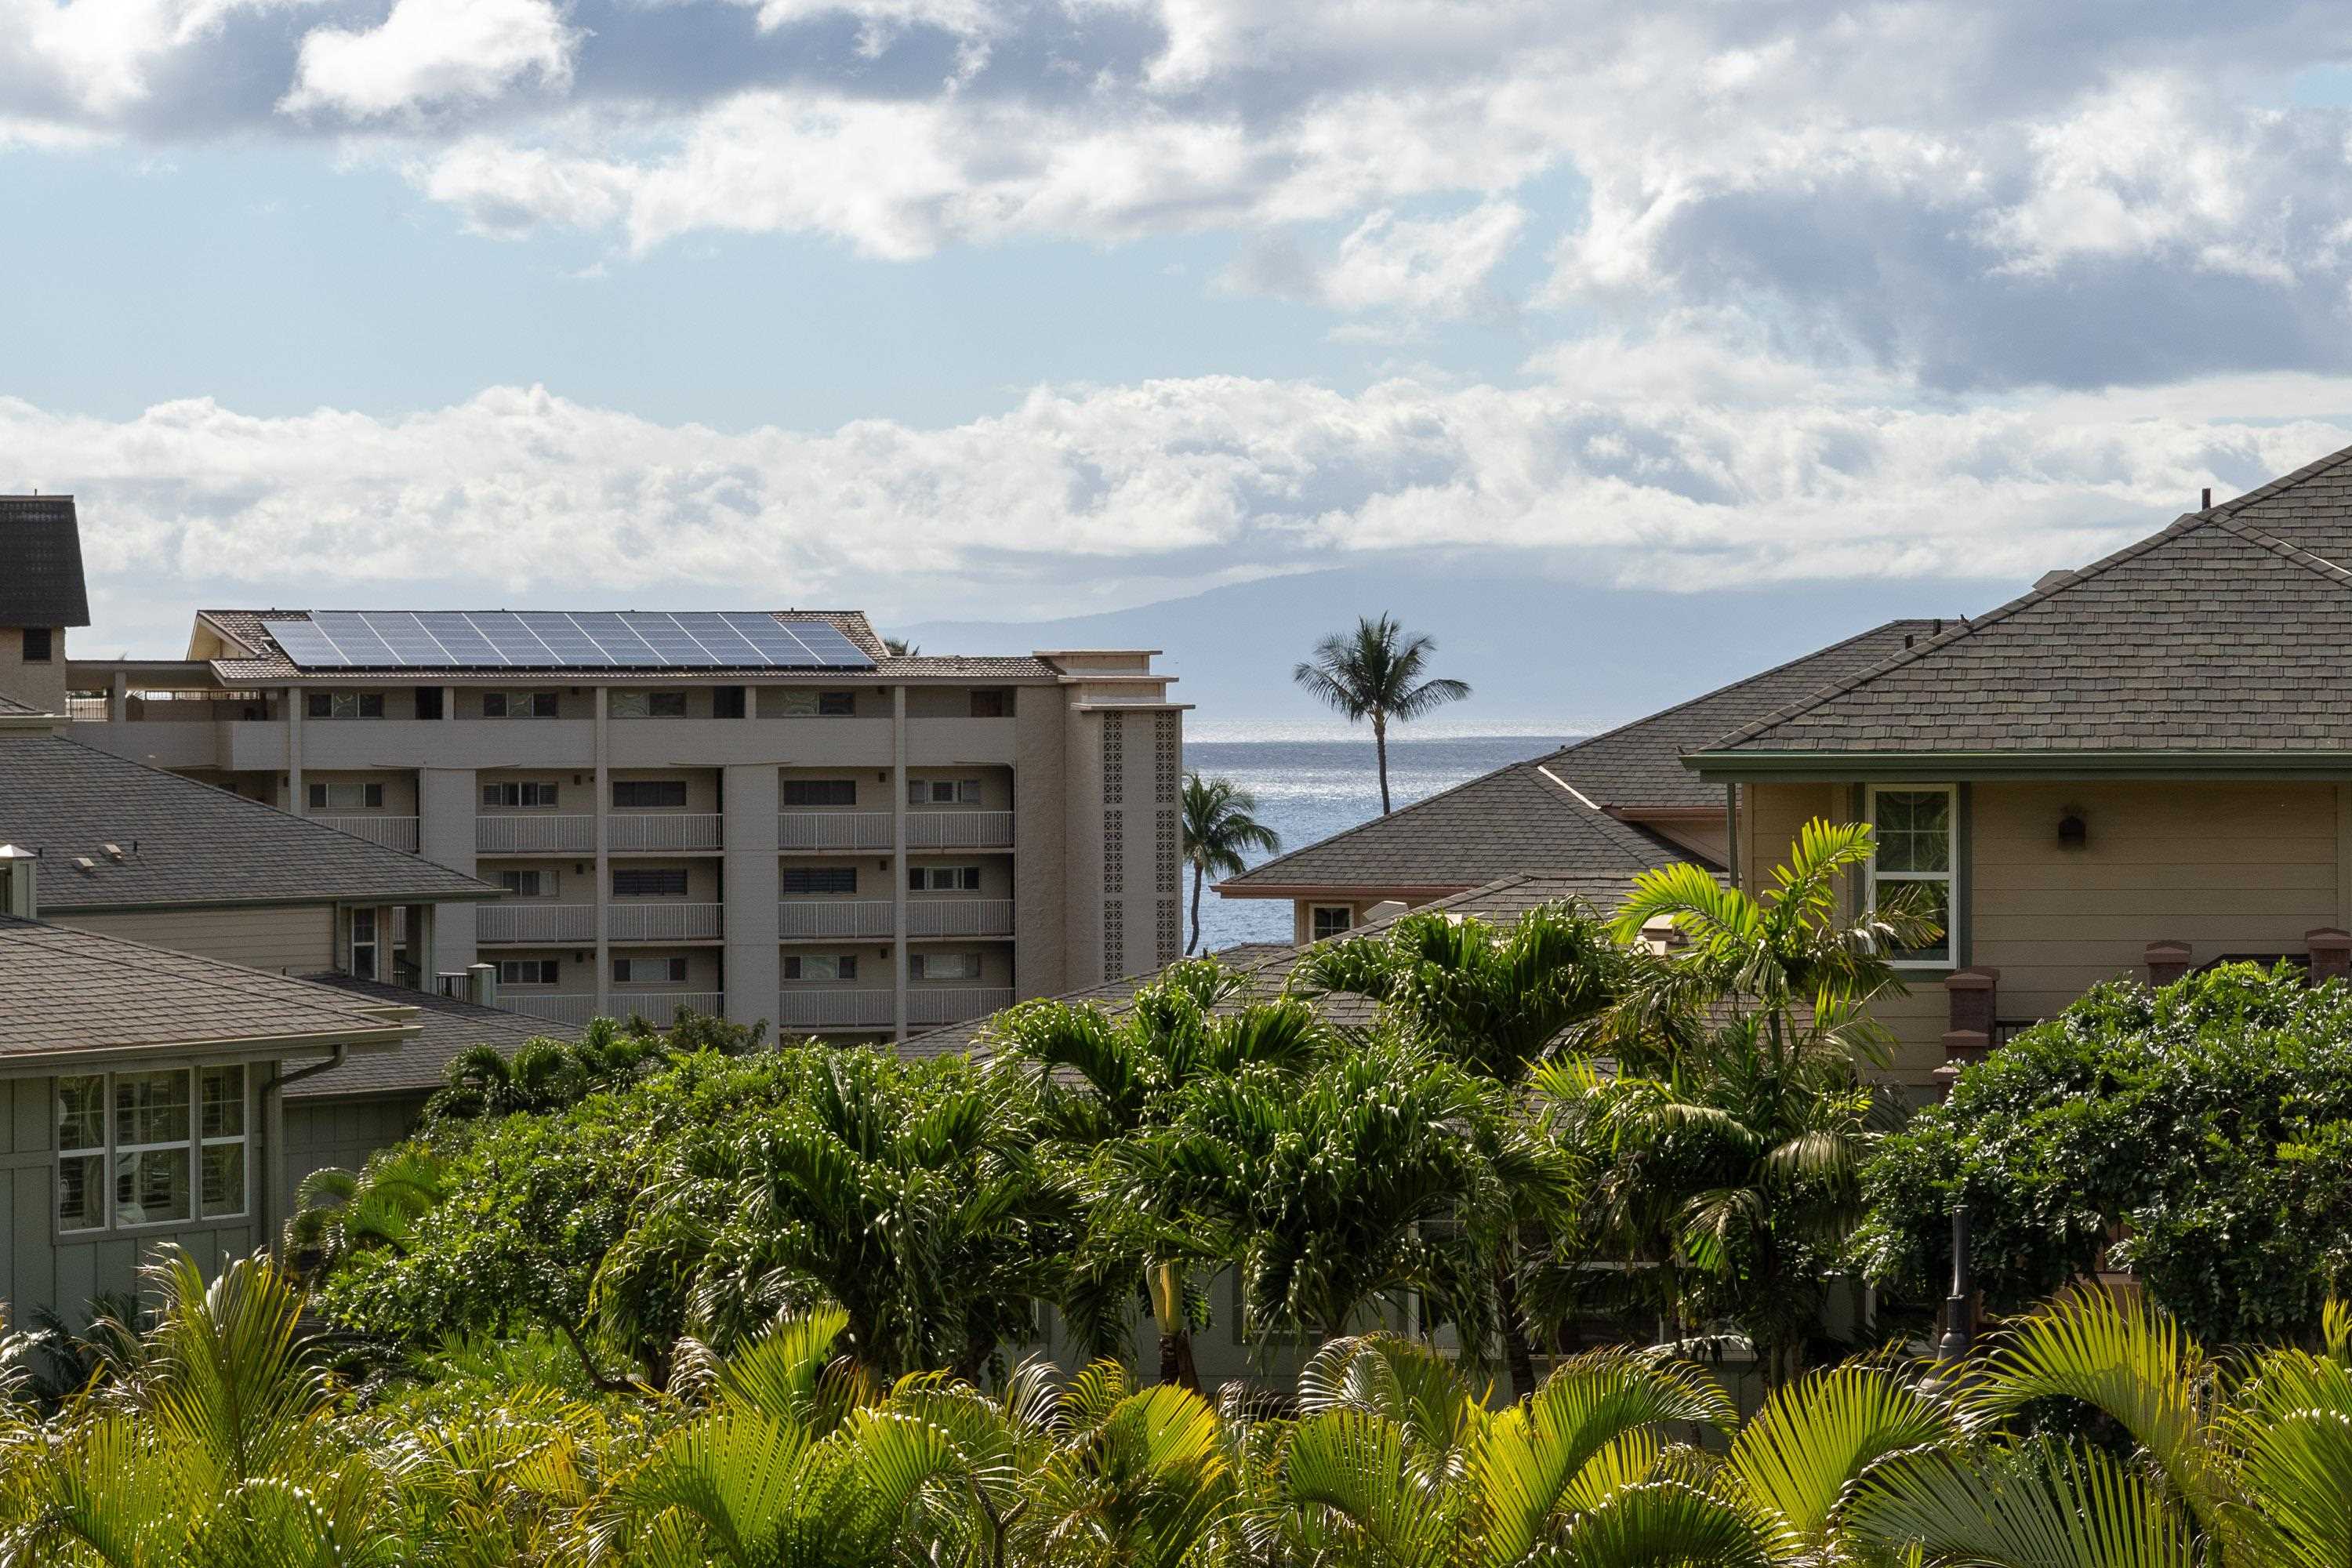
1832,767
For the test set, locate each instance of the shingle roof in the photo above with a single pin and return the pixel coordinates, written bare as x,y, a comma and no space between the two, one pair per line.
269,662
186,843
74,990
40,563
2221,634
447,1027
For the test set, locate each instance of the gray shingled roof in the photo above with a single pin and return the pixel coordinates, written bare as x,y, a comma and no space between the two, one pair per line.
186,843
12,709
74,990
40,563
447,1028
2222,634
1516,819
270,662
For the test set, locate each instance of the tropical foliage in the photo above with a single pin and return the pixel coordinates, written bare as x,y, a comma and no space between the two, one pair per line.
1221,831
1379,671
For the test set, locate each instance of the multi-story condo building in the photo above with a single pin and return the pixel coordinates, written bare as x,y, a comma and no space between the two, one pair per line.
766,815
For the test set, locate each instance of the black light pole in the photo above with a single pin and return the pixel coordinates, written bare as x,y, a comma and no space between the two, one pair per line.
1959,1316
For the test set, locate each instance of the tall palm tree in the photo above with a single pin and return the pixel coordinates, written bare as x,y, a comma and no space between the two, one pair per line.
1377,672
1221,827
900,648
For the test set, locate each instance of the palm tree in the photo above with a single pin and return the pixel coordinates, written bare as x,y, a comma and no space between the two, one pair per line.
1377,674
1221,827
338,1213
900,648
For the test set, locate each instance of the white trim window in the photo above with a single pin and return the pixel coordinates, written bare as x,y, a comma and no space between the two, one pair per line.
532,884
528,971
649,972
519,704
1324,921
137,1149
818,968
943,879
1917,830
535,794
346,796
949,966
942,792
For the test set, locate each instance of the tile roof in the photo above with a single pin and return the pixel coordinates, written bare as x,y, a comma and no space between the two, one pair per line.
2222,634
270,663
446,1026
74,990
186,843
985,667
40,563
1267,965
1518,819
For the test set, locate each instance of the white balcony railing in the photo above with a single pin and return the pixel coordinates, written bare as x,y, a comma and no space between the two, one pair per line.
819,1006
833,918
391,832
959,829
960,917
927,1006
833,831
661,920
576,1009
663,830
523,920
534,832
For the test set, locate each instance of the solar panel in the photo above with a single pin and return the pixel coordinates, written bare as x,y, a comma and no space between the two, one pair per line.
560,639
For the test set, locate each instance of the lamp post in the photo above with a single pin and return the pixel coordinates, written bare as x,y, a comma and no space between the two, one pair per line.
1959,1317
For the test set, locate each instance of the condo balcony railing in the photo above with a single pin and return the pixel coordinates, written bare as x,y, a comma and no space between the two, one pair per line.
960,917
391,832
929,1005
664,830
576,1009
833,831
833,918
535,833
523,919
959,829
821,1006
658,919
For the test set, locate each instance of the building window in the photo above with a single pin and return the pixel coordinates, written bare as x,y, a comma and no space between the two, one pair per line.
645,704
943,792
799,702
1917,830
346,796
820,792
40,644
991,702
649,882
821,966
528,884
943,879
428,703
649,794
527,970
943,966
364,944
343,704
533,794
649,972
727,702
820,878
519,704
837,704
1329,920
150,1148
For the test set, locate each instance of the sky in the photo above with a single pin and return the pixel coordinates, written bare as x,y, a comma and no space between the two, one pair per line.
960,310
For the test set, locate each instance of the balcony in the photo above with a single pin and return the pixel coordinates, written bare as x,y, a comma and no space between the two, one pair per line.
534,832
927,1006
576,1009
522,921
833,831
391,832
661,920
664,830
800,918
959,830
960,917
835,1007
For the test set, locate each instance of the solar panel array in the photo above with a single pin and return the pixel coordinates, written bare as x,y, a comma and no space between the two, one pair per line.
561,640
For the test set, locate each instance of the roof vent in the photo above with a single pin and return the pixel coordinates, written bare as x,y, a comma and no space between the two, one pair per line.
84,863
2049,580
115,852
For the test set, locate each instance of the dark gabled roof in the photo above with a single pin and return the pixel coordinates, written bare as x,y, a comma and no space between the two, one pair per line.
40,563
2223,634
12,709
1267,965
186,843
65,990
447,1027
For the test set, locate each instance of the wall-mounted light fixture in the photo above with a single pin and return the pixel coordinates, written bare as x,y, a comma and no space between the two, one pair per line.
2073,832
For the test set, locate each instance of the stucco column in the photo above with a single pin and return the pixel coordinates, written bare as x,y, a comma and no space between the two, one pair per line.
298,799
447,800
748,795
603,863
118,699
899,861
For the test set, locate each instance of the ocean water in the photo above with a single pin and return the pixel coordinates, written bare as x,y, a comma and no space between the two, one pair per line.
1309,788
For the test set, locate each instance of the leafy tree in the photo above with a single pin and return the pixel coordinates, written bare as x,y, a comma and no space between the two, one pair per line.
338,1213
548,1073
2198,1135
1378,672
1220,828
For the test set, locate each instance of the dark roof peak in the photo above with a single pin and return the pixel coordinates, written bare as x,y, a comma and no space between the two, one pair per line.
40,563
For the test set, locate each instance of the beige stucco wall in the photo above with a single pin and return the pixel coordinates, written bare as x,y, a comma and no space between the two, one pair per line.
291,938
42,685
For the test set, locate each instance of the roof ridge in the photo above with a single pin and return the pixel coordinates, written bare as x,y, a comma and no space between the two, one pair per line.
1371,821
2287,481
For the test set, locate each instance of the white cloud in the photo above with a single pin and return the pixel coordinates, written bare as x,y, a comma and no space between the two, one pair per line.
1421,269
428,52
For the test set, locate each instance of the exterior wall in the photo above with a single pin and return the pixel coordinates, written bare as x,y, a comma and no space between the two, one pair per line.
1044,800
42,685
339,1132
295,938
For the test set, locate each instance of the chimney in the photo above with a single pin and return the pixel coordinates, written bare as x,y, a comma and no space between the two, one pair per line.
482,985
2166,961
2205,502
19,882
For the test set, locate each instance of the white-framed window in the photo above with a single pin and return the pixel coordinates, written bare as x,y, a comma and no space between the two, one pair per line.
943,879
161,1147
363,943
1329,920
649,972
820,792
801,703
943,792
533,792
519,704
821,966
527,970
528,884
1916,828
346,796
943,966
343,704
639,704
